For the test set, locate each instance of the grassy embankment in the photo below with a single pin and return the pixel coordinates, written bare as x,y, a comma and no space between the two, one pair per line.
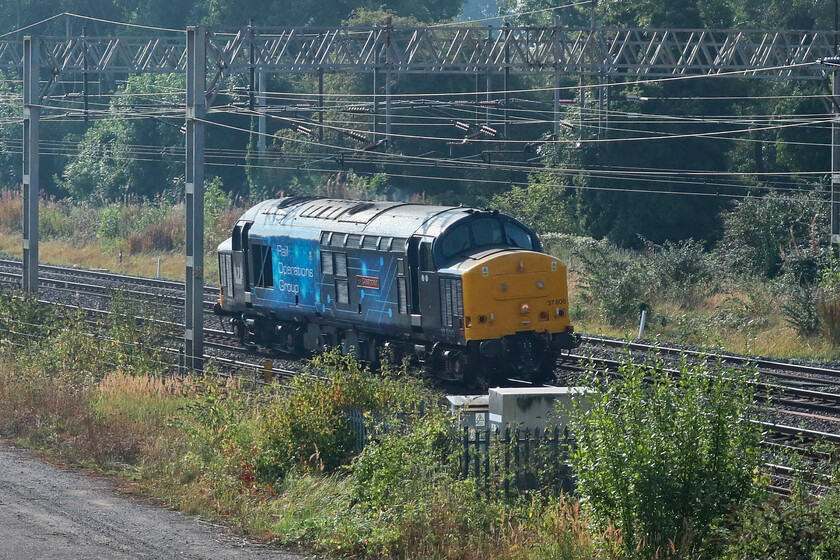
276,464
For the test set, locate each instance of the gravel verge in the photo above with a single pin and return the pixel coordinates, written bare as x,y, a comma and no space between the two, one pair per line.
50,513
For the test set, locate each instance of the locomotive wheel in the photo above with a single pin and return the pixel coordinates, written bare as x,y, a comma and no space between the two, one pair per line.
475,377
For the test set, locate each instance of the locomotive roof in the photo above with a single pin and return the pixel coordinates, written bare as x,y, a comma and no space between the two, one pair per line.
354,216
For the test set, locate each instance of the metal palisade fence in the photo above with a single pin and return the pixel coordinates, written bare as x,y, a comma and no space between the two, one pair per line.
510,459
502,460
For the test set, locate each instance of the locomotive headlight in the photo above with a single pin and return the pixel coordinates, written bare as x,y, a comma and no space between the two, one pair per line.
525,308
540,284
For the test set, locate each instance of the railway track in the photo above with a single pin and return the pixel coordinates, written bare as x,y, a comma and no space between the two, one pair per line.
80,281
791,384
805,374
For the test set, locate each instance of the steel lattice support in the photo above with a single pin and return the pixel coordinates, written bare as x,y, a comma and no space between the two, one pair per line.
476,50
196,113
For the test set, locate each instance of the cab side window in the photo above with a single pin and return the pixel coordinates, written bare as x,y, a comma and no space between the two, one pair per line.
427,262
263,266
455,241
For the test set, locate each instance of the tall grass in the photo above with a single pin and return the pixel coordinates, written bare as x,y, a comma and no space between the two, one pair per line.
11,211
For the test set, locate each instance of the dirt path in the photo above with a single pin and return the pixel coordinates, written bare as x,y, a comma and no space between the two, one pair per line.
50,513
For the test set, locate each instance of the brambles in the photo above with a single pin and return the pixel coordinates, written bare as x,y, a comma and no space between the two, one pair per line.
616,282
622,283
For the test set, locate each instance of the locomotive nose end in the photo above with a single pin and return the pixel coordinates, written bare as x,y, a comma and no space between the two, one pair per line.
516,292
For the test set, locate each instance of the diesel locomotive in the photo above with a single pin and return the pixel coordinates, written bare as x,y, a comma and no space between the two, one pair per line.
468,292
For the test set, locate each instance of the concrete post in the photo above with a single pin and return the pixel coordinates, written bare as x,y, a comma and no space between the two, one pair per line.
196,113
31,161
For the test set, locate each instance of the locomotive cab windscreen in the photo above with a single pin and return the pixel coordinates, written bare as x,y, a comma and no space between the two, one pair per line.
484,231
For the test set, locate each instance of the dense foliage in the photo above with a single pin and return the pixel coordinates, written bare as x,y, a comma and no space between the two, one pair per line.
664,456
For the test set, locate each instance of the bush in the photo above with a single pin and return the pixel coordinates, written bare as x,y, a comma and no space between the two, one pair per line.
663,457
24,322
801,527
400,462
309,428
160,236
682,271
53,221
814,307
115,222
406,486
758,230
618,283
800,310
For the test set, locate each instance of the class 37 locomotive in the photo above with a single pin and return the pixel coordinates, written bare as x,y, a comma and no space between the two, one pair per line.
468,292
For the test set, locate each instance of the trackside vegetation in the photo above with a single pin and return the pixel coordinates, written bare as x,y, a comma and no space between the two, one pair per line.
768,287
666,467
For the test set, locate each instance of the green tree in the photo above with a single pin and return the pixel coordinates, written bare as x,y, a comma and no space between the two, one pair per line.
541,206
759,232
132,152
321,12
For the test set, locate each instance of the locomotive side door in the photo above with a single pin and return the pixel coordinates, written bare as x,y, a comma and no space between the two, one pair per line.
239,240
421,269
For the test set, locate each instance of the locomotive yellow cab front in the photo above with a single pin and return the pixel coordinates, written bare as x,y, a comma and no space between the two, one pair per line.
512,293
516,312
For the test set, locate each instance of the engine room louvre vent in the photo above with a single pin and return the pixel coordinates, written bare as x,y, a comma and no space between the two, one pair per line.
329,209
359,207
283,207
451,301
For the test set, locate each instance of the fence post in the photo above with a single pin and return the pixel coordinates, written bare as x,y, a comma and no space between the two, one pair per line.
477,462
466,462
642,323
507,462
268,367
555,459
516,455
487,462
